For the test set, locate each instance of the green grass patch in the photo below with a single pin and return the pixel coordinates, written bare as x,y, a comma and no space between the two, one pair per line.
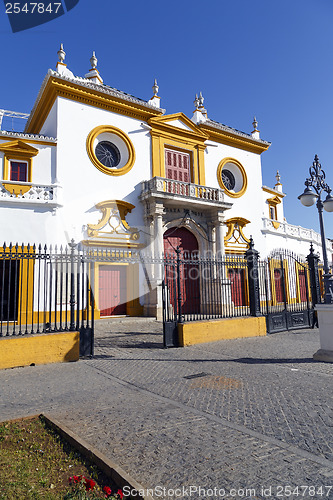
36,463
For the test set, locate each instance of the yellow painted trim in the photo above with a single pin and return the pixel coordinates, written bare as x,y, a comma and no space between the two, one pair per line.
39,349
166,136
112,243
17,150
199,332
30,141
57,87
231,223
272,191
299,267
273,201
276,224
17,189
101,129
219,177
194,133
226,137
276,264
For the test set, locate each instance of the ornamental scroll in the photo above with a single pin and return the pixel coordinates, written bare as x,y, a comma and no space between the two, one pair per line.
235,242
112,229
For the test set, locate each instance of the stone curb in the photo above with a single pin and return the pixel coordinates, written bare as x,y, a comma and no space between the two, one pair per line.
112,470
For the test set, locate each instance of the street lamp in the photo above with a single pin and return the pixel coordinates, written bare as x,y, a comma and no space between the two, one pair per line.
308,198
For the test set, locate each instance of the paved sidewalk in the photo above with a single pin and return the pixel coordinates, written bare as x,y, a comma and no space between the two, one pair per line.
251,418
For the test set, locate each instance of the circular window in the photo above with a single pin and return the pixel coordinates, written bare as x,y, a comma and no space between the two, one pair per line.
110,150
228,179
108,154
231,177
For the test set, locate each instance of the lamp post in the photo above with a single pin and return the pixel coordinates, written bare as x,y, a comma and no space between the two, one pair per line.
308,198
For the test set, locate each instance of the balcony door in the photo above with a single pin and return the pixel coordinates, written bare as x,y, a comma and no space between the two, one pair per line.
177,165
177,169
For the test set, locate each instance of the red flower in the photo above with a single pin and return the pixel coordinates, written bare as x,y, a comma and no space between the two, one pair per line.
107,490
75,479
89,484
120,493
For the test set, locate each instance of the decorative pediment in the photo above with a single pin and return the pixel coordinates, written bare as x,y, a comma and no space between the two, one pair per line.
112,229
19,148
273,201
235,241
177,123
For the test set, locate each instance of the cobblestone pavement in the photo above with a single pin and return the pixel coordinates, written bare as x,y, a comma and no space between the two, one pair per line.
251,416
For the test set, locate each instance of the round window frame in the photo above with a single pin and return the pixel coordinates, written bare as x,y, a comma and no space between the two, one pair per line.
114,171
241,191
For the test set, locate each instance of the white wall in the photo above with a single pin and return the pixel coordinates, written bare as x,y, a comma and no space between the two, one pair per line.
250,205
83,184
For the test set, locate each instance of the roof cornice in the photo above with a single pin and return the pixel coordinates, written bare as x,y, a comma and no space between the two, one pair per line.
81,90
33,138
232,137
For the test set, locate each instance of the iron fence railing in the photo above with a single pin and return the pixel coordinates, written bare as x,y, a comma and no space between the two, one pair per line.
45,290
199,288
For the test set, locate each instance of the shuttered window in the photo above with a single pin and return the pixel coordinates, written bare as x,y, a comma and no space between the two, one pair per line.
177,165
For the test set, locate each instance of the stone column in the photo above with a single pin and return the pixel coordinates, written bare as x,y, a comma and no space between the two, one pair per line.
219,231
158,254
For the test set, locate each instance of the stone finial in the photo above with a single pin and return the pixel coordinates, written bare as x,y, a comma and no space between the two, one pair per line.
61,53
278,177
93,74
61,66
255,132
199,113
155,87
155,100
201,100
93,61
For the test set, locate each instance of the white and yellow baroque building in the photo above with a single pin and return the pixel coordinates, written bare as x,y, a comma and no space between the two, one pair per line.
114,171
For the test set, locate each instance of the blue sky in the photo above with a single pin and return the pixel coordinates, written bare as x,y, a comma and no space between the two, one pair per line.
272,59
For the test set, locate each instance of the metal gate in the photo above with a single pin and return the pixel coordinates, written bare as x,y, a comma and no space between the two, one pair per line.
285,292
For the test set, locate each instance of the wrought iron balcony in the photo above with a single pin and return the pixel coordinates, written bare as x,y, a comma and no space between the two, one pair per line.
182,192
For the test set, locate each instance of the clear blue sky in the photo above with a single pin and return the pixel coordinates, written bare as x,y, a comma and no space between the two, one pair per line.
269,58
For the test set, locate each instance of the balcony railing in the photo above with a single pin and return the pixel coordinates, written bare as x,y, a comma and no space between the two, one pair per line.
182,189
28,192
297,232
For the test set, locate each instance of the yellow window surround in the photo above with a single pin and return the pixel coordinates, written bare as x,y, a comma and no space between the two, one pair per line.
189,139
272,203
18,151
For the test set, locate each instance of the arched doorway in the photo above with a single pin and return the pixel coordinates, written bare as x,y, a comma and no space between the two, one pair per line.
189,269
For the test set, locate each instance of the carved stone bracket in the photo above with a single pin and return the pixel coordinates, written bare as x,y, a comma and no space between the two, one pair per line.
112,228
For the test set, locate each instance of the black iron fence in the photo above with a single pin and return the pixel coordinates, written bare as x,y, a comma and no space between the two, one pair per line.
284,288
46,290
54,289
205,288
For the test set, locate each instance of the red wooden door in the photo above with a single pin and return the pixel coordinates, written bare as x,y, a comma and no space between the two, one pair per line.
112,290
278,285
302,285
237,279
189,271
177,168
